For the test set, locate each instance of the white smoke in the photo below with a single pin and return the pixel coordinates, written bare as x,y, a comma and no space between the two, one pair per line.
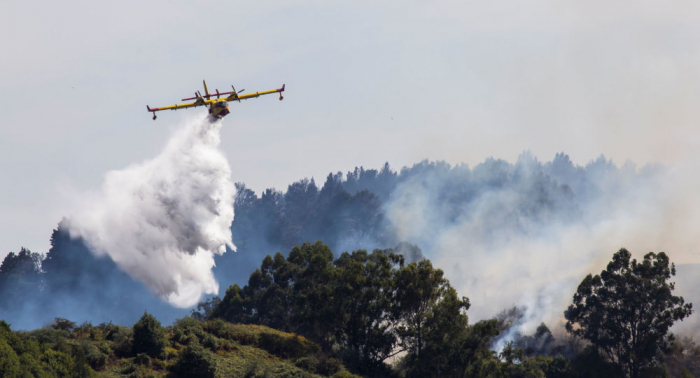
493,251
162,220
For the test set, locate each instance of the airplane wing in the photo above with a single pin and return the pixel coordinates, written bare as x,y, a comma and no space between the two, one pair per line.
233,97
179,106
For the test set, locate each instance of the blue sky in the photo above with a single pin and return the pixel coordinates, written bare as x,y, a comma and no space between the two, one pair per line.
367,82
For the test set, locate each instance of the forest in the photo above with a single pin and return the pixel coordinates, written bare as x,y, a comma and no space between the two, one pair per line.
342,280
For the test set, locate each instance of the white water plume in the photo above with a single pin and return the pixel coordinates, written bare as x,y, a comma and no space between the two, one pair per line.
162,220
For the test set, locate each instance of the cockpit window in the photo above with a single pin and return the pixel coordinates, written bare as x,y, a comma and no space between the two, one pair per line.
222,104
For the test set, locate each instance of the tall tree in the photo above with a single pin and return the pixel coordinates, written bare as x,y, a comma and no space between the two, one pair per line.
418,288
626,311
20,280
364,323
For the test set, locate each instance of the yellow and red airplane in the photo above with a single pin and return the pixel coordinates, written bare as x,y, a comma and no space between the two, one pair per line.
217,107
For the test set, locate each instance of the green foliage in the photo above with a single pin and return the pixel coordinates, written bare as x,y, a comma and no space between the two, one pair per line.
282,344
319,364
123,340
31,367
368,307
187,330
255,370
80,367
57,363
344,374
626,311
9,361
10,337
195,362
61,324
93,355
204,309
285,346
149,337
143,359
47,336
363,311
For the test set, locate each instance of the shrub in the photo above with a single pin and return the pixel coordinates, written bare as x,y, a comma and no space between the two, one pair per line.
122,341
187,330
319,364
10,337
61,324
195,361
327,366
30,366
143,359
9,362
58,363
344,374
254,370
149,337
94,357
287,346
80,367
47,336
307,363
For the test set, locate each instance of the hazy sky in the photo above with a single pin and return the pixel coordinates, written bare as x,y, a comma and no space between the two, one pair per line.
367,82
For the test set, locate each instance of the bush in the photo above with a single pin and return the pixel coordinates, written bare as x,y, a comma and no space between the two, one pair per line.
10,337
58,363
94,357
254,370
30,366
287,346
149,337
344,374
187,330
61,324
319,364
143,359
9,362
80,367
47,336
328,366
122,341
195,361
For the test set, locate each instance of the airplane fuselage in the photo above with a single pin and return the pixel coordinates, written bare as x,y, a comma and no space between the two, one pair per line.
219,109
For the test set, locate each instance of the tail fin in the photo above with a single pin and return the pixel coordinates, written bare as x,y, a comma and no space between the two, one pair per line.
206,91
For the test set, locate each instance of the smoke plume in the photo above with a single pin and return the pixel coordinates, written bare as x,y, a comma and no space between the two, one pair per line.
526,234
163,220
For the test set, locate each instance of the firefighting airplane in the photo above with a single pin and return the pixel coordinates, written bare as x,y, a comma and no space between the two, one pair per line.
218,107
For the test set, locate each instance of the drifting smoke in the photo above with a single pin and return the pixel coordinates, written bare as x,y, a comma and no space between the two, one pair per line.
526,234
162,221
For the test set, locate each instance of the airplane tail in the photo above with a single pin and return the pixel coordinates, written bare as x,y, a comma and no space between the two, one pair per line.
206,91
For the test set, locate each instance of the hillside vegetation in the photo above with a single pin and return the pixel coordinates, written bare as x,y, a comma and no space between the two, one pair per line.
189,348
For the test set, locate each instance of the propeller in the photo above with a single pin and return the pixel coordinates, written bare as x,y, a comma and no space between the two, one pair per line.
235,93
